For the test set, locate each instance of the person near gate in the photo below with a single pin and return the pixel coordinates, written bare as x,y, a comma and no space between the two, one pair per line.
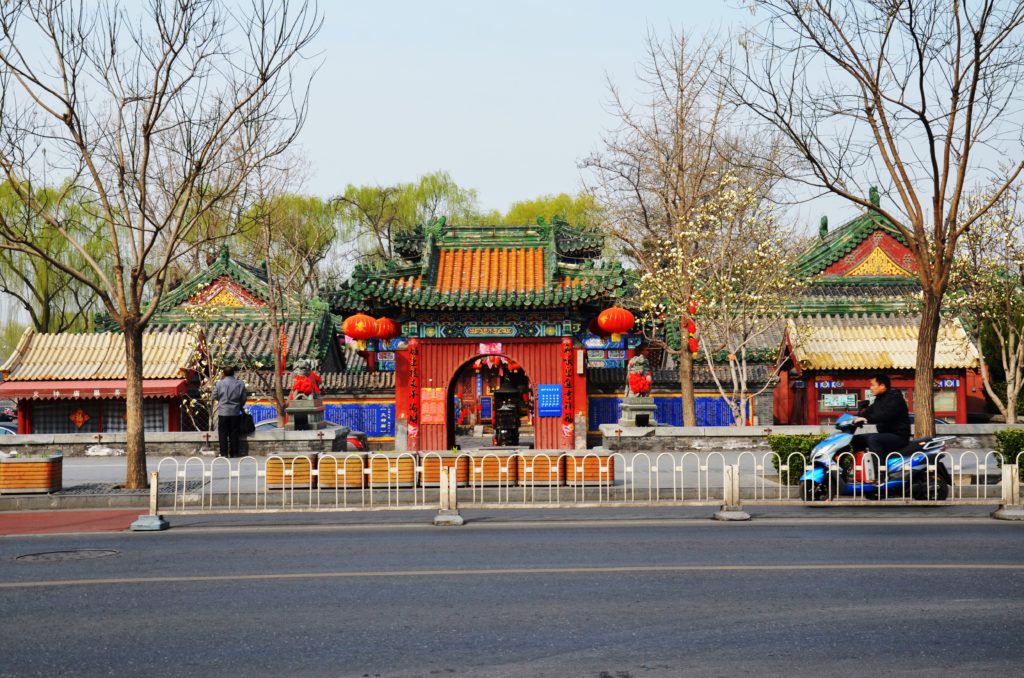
891,418
230,394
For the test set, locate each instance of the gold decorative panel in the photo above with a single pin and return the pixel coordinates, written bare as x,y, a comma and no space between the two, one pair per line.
225,298
878,263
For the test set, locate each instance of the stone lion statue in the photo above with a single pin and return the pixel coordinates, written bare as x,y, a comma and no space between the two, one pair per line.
638,381
305,382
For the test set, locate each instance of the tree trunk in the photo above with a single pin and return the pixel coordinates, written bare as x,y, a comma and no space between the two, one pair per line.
686,377
924,379
135,478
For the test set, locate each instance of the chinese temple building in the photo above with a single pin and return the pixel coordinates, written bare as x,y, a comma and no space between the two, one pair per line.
859,317
490,314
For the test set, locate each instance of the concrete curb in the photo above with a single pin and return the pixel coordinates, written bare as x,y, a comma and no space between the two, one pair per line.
67,502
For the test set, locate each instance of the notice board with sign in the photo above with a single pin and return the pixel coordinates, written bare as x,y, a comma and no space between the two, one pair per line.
432,406
549,400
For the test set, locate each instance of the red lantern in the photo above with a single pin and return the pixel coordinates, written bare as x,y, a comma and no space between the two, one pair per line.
691,307
694,345
388,329
360,327
616,321
691,328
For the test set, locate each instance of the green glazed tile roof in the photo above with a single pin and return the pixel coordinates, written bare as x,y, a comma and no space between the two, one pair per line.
486,268
839,242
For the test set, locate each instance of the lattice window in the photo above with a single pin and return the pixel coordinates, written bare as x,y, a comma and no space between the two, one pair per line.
154,416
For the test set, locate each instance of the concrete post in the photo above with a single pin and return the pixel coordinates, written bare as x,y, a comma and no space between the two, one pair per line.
153,521
448,515
732,508
1011,508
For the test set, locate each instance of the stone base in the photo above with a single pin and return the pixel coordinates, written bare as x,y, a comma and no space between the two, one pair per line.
448,518
149,523
731,513
634,407
1009,513
305,414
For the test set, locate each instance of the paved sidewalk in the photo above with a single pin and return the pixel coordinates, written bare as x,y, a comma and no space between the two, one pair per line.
52,522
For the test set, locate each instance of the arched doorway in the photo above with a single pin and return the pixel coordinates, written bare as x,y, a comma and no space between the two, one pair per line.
425,371
477,389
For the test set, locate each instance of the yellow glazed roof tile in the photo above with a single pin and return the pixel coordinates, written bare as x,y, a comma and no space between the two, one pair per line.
65,356
875,342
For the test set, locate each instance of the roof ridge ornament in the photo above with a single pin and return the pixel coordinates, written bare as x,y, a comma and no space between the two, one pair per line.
875,197
823,226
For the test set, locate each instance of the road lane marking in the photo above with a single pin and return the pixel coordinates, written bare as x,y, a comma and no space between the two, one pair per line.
625,569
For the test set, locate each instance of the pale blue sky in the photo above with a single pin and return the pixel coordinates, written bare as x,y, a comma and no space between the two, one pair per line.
507,97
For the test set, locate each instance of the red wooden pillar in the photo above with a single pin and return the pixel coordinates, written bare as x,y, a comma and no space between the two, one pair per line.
568,394
412,401
24,416
782,399
174,416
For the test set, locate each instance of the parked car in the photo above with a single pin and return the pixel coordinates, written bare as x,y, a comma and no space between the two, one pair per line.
8,429
356,441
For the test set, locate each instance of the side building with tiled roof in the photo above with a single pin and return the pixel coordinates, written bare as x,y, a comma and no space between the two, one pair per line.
860,316
76,383
227,306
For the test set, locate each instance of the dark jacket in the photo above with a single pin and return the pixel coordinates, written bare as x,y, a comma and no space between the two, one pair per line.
889,414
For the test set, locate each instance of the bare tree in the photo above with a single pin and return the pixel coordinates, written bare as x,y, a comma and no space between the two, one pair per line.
293,234
159,117
664,161
922,95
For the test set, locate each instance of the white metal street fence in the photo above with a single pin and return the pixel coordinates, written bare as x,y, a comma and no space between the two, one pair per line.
535,479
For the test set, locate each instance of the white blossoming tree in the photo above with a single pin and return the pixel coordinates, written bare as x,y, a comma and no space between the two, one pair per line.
988,279
743,285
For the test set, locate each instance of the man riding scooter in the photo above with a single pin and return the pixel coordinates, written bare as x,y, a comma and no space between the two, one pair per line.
891,418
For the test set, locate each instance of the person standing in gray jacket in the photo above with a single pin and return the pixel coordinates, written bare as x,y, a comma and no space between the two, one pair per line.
230,395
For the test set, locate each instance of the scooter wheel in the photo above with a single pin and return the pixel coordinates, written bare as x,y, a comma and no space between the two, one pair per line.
807,490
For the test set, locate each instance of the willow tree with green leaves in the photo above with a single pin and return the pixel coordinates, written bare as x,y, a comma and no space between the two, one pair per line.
373,215
580,210
154,117
988,293
742,282
53,300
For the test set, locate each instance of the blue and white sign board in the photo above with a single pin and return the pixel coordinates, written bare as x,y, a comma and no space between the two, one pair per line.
549,400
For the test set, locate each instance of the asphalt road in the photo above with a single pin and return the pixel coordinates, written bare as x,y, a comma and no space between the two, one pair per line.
515,596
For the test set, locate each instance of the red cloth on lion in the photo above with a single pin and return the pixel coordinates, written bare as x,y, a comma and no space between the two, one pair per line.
306,384
639,383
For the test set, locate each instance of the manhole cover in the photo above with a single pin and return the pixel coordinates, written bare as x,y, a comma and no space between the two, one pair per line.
79,554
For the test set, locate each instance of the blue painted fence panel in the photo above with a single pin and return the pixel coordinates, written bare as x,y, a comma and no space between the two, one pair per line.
376,420
711,411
